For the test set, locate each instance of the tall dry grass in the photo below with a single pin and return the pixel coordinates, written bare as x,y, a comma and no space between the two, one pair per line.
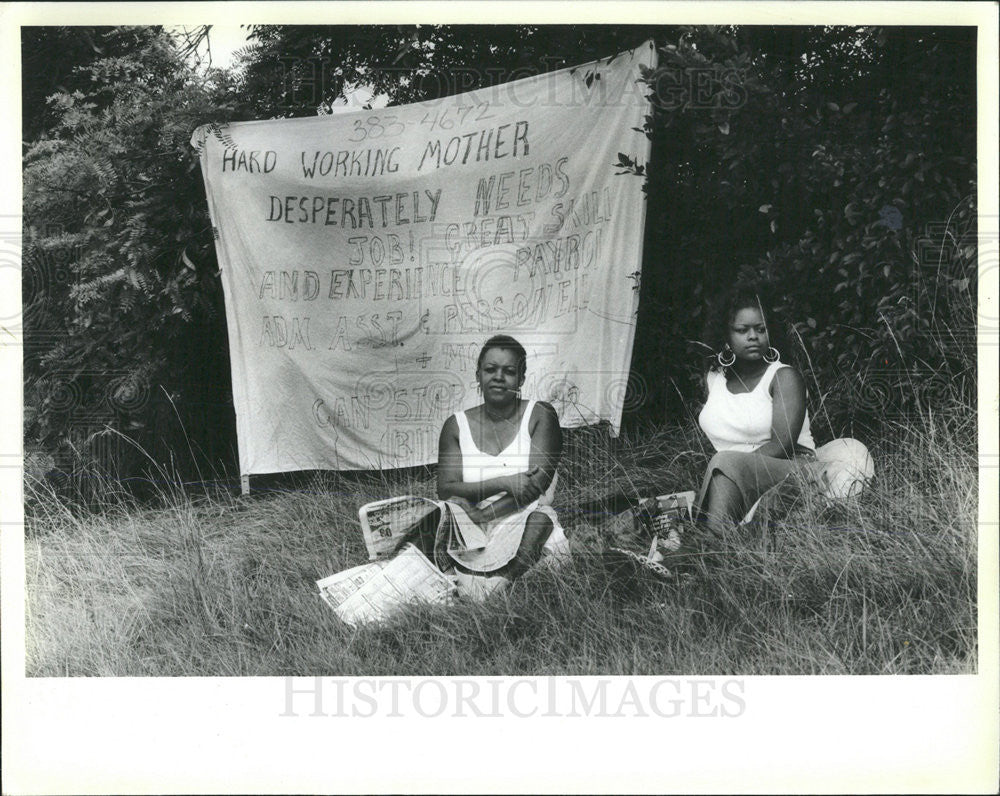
224,585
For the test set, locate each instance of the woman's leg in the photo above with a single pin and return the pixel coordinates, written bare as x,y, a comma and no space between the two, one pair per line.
536,533
723,503
734,481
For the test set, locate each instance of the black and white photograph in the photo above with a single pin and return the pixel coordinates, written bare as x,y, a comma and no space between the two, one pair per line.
401,364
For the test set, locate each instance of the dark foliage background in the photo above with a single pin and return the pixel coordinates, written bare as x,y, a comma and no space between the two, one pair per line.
836,164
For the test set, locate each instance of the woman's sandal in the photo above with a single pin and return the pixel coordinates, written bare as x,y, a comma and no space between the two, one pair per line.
645,562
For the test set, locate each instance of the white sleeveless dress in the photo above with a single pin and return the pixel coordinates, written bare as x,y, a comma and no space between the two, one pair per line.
738,423
504,535
742,421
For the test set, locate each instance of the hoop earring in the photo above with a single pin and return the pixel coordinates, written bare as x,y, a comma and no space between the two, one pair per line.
723,362
772,355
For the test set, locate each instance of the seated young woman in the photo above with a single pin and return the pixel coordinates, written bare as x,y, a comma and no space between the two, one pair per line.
498,461
755,415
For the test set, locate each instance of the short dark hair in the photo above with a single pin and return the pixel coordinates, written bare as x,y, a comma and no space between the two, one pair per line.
507,343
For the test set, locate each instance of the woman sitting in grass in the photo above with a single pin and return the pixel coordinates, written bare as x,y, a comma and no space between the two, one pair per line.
756,419
498,461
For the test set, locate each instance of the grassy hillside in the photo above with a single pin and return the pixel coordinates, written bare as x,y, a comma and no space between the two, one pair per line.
224,585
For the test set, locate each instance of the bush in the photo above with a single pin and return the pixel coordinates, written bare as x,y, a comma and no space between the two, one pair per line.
122,301
849,191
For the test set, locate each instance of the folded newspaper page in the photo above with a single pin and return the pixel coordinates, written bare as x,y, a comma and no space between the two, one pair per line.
373,592
674,504
662,518
398,571
464,533
386,524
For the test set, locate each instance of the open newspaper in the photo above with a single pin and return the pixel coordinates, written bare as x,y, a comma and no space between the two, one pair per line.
407,539
387,524
372,592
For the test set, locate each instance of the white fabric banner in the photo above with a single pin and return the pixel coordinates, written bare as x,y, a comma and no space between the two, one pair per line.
366,256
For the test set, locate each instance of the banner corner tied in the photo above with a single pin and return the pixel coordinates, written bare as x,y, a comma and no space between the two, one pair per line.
198,137
219,130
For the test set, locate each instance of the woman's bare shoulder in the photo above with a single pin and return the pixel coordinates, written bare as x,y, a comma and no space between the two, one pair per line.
788,378
542,413
544,409
450,426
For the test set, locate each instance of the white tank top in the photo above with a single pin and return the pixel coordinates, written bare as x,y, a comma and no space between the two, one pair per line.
742,422
514,459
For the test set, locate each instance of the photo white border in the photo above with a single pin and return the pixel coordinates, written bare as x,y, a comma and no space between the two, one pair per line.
797,734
